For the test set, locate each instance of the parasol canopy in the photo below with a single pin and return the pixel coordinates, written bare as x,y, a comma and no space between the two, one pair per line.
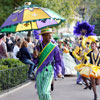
30,26
30,17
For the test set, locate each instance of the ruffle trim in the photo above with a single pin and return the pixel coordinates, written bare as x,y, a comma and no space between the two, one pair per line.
88,70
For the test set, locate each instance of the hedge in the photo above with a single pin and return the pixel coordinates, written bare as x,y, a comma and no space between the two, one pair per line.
12,72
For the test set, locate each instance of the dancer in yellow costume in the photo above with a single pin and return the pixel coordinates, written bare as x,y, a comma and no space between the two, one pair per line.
90,69
80,53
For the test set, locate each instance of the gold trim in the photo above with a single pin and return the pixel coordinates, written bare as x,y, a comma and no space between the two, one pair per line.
92,58
98,59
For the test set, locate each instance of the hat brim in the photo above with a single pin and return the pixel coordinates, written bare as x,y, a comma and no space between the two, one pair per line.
46,33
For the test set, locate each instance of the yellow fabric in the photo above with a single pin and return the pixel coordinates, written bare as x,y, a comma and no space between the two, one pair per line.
66,50
76,50
34,14
88,70
84,42
95,55
97,59
85,55
88,39
92,38
93,59
34,25
57,20
25,26
75,53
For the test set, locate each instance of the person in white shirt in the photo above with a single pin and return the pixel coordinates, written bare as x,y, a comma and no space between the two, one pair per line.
30,45
16,49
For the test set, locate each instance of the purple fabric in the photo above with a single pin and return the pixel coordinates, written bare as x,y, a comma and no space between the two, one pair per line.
62,62
14,18
36,34
55,75
53,57
86,26
79,78
45,23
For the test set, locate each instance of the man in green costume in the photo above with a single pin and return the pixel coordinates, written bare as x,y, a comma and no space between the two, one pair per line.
48,56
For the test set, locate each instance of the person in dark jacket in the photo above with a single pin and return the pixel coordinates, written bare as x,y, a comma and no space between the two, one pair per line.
10,42
26,57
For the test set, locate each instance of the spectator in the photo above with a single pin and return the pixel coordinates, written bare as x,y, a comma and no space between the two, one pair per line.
16,49
26,57
10,42
30,45
3,48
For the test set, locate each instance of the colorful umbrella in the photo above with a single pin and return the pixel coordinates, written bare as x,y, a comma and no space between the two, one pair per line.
30,25
30,17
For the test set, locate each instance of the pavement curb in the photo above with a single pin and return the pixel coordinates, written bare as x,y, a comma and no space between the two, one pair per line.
9,91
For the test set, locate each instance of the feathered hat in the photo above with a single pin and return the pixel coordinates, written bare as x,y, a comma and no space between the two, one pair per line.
84,29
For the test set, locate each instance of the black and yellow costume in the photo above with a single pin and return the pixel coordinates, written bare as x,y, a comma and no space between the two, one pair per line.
91,69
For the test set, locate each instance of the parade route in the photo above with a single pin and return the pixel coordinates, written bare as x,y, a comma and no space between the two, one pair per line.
65,89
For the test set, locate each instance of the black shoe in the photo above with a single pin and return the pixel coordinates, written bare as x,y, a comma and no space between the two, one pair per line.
52,87
90,86
62,77
86,87
95,98
31,77
55,79
79,83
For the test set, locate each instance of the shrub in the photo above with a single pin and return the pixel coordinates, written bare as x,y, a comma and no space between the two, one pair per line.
12,73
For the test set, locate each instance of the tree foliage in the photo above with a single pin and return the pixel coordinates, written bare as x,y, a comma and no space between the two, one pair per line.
66,8
91,12
88,8
7,7
62,7
95,20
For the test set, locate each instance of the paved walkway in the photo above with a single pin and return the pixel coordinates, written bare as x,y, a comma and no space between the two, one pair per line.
65,89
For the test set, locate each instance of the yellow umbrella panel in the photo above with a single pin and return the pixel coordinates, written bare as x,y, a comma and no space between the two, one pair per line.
34,14
31,25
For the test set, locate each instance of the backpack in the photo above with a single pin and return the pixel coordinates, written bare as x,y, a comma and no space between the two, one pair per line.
18,55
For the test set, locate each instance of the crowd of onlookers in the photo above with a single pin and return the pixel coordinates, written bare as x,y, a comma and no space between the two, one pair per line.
10,45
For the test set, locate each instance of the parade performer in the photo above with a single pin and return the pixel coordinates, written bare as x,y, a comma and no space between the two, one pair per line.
48,52
85,32
60,41
69,62
91,69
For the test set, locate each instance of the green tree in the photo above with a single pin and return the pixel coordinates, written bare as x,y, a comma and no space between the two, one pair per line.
88,8
63,7
7,7
95,20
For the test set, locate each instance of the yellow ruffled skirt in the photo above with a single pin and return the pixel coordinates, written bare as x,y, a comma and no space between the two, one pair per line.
88,70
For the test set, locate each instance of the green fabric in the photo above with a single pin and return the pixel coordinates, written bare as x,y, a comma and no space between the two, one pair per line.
46,30
9,29
70,44
55,36
49,47
43,82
